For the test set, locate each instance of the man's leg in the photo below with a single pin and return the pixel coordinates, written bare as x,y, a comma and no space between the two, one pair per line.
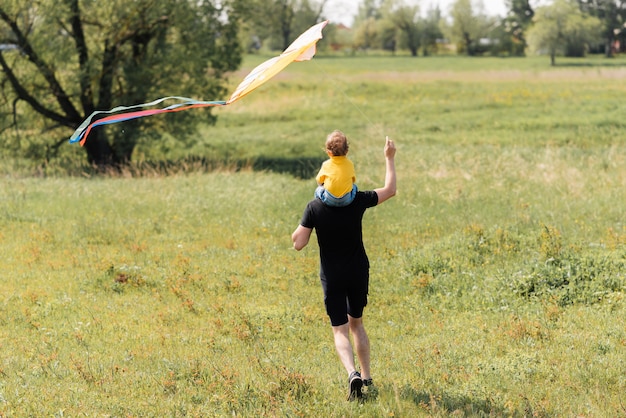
361,344
346,355
343,346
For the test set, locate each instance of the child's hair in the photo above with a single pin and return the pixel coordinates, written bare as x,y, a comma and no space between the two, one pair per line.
337,143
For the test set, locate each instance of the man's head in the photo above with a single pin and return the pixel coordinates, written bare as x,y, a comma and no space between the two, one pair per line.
337,144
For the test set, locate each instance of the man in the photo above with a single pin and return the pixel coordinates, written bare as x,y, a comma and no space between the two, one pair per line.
344,269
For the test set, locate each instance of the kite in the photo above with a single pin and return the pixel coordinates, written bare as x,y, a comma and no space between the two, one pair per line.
302,49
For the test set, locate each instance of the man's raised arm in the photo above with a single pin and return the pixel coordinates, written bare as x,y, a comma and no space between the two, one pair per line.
389,190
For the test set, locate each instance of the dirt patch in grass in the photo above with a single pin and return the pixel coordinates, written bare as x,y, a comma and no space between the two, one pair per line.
493,75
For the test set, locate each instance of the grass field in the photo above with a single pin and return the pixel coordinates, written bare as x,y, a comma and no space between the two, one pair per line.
498,271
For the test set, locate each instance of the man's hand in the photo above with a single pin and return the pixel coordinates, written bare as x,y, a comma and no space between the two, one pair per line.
390,148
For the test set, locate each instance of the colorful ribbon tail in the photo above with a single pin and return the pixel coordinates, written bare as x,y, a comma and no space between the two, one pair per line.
81,133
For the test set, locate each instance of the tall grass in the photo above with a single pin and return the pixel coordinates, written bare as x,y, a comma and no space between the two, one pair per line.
498,271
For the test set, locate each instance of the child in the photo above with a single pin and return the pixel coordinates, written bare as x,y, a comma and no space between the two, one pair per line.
336,177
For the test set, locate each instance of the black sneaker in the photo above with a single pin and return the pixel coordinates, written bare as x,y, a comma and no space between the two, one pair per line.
371,391
354,386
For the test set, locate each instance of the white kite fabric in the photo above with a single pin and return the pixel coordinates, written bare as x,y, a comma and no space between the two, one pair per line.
302,49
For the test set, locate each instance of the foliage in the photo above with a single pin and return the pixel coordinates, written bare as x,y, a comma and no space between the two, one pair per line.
573,279
407,20
369,9
468,27
432,34
397,25
612,15
374,29
516,24
367,34
279,22
73,57
562,29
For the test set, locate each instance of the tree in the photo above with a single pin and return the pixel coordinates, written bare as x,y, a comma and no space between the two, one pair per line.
516,23
72,57
280,21
559,26
612,14
431,30
368,10
366,27
468,26
389,24
366,34
407,19
387,35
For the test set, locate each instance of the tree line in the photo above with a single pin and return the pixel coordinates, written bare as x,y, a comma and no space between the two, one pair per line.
560,27
60,60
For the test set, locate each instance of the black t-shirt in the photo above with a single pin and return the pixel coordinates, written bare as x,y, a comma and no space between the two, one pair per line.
340,235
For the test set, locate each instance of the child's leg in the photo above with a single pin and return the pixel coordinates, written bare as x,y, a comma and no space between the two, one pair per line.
319,192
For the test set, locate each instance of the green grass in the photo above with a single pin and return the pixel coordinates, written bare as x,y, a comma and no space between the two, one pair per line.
498,271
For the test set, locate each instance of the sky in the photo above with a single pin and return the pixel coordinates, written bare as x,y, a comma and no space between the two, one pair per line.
343,11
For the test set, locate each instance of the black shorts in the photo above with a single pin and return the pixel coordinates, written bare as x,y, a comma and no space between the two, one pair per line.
345,296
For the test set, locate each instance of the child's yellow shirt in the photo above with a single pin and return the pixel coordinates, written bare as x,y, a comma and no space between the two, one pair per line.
337,175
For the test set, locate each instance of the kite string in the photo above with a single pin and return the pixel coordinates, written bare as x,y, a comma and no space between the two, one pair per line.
345,95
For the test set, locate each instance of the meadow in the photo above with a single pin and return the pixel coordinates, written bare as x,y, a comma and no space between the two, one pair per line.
498,271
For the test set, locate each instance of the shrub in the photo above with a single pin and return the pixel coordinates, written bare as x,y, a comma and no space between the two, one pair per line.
573,279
